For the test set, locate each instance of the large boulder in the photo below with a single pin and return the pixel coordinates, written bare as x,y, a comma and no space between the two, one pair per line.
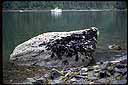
57,49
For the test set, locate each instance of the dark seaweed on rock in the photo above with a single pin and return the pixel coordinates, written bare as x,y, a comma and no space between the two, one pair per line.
85,43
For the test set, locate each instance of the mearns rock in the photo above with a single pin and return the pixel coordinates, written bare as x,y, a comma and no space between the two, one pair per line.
57,49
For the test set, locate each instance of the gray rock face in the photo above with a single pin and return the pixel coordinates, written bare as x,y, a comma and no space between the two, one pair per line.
57,49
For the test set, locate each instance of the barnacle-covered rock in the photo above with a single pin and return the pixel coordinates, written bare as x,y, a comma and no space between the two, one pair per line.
57,49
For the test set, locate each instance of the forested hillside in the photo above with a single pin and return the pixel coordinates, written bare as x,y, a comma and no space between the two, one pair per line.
45,5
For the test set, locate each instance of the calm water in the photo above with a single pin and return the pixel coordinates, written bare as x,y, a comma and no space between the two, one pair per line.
19,27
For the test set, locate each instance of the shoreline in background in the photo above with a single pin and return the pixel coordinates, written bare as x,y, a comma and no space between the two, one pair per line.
26,10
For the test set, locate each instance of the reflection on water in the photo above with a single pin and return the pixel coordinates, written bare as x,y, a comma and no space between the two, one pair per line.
19,27
56,14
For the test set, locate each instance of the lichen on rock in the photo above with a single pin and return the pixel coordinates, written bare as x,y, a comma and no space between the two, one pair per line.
57,49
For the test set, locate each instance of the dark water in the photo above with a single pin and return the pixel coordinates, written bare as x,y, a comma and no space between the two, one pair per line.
19,27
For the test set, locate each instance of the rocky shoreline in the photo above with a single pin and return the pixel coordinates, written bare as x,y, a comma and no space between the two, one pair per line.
109,72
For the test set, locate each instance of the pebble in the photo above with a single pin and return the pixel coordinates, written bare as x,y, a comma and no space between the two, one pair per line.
55,73
84,69
31,79
123,81
96,70
79,76
91,83
103,81
114,47
118,55
56,81
99,63
38,82
92,77
103,74
73,79
46,75
81,81
11,80
121,70
120,66
84,74
96,67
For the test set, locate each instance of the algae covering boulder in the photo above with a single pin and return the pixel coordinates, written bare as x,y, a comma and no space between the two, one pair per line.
57,49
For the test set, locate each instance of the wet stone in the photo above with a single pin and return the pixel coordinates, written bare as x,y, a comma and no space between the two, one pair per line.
83,71
99,63
123,81
81,81
120,66
103,81
122,70
55,74
78,77
38,82
103,74
31,79
92,77
56,81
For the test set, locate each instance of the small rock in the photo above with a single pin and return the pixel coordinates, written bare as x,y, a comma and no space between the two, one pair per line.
11,80
105,65
83,71
57,81
79,76
77,81
104,81
96,67
103,74
90,69
42,79
125,75
116,61
118,55
84,74
120,66
55,73
96,74
46,75
123,81
74,69
96,70
91,83
121,70
73,79
116,74
98,63
81,81
114,47
38,82
31,79
92,77
28,69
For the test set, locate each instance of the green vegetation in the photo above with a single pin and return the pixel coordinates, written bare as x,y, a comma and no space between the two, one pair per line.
44,5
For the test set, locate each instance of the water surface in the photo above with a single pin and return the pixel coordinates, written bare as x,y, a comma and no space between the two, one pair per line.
19,27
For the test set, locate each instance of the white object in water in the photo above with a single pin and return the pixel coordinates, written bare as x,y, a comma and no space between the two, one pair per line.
20,10
56,10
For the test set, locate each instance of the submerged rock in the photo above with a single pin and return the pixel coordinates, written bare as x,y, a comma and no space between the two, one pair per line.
114,47
56,49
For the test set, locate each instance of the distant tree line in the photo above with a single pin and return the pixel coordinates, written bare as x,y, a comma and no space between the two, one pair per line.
64,4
